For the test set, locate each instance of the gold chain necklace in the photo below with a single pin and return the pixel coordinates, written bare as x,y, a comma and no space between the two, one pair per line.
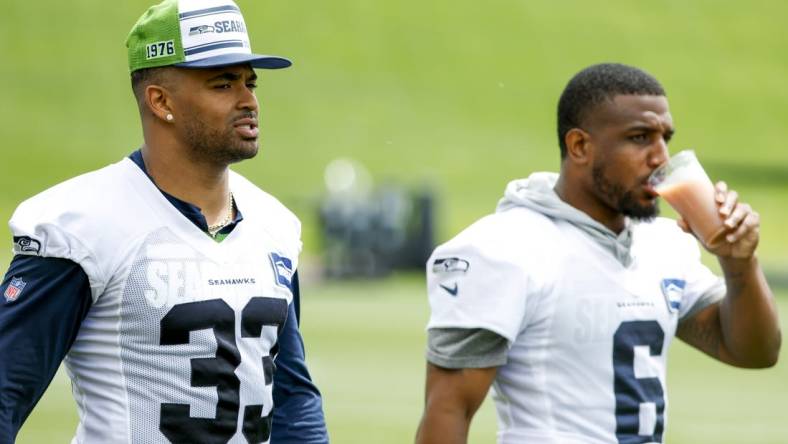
214,229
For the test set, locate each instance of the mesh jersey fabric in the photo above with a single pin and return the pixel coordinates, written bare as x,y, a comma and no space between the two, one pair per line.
177,345
588,335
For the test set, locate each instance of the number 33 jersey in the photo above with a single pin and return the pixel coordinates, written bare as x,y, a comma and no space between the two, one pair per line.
588,336
178,345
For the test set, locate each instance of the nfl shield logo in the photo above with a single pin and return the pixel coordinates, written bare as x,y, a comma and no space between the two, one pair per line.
673,290
14,288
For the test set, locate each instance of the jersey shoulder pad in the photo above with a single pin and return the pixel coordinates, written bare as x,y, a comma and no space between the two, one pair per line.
488,274
83,219
518,234
264,210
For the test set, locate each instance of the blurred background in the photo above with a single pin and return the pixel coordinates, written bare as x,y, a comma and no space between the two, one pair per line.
440,101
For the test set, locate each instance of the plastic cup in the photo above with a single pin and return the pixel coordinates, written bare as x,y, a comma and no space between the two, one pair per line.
683,183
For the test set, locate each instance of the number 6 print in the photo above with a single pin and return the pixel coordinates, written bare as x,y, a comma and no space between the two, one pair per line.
633,392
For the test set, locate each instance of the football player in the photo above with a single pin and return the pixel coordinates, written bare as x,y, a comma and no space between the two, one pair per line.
167,281
566,299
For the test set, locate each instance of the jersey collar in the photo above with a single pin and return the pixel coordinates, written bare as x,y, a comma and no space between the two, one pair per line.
190,211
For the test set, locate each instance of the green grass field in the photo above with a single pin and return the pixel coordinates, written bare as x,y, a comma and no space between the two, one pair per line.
460,95
365,345
457,95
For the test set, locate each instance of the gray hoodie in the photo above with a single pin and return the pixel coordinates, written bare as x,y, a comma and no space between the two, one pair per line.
536,193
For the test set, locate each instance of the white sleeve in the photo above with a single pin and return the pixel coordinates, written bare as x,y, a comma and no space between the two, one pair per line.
702,287
36,232
469,287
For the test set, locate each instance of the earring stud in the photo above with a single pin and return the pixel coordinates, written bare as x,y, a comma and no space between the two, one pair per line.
169,117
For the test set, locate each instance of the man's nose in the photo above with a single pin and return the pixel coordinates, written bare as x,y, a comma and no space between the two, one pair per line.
659,153
248,100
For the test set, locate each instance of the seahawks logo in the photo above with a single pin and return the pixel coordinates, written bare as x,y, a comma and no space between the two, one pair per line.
26,245
283,270
450,265
202,29
673,290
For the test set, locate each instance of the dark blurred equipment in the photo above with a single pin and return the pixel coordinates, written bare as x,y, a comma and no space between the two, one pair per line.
369,235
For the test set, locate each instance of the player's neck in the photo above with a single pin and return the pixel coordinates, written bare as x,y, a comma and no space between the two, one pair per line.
585,201
198,183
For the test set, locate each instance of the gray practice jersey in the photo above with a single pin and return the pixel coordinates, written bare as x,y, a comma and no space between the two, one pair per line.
587,334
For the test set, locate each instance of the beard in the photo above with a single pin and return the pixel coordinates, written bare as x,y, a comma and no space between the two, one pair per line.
217,146
622,200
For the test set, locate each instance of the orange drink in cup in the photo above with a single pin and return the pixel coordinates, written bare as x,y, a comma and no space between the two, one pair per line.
683,183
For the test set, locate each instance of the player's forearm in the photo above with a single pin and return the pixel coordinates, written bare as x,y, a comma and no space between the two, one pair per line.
748,315
452,398
443,427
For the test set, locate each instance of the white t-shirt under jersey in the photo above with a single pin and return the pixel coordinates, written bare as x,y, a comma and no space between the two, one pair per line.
177,344
588,336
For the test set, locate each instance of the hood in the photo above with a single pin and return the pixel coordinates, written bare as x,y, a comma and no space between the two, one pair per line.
536,193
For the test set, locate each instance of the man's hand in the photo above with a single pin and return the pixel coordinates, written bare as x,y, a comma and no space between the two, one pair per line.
742,226
742,329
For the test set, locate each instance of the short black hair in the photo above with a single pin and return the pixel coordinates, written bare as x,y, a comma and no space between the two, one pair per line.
141,78
593,86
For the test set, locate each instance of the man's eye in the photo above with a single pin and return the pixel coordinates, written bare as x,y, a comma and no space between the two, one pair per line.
251,85
639,138
223,86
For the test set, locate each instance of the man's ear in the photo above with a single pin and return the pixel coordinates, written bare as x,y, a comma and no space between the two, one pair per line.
159,100
579,149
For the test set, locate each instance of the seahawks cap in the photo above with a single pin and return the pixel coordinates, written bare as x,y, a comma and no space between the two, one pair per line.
194,34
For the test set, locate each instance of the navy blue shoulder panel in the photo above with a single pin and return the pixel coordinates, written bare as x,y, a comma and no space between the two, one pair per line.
297,298
44,303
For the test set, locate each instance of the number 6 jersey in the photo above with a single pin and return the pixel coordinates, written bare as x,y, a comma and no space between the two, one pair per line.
588,335
178,345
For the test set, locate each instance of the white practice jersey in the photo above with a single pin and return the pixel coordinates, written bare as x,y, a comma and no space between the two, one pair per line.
178,344
588,336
